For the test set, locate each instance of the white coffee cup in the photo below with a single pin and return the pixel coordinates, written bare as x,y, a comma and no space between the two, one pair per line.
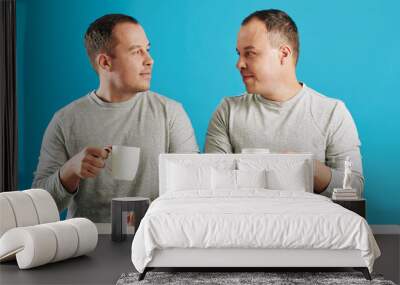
124,162
255,150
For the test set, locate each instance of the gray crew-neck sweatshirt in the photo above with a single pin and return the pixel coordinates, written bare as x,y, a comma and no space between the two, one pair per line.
308,122
152,122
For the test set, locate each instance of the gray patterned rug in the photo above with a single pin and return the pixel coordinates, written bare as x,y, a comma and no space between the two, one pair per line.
230,278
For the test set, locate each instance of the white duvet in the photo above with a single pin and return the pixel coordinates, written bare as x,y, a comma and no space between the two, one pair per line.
252,218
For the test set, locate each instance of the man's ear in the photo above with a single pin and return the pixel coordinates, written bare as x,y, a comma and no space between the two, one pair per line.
285,53
103,61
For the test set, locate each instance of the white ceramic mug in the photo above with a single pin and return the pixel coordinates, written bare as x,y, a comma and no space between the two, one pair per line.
124,162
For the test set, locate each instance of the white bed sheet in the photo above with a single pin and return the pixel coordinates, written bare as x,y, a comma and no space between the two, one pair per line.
251,218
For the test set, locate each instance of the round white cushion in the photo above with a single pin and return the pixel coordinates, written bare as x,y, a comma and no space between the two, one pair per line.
26,208
45,205
33,246
23,208
67,240
7,218
40,244
87,234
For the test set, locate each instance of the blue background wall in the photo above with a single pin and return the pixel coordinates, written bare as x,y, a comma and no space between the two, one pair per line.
349,50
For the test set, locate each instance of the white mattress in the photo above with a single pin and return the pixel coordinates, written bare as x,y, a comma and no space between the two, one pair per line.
252,218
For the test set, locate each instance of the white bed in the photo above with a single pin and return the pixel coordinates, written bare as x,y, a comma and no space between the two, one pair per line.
247,210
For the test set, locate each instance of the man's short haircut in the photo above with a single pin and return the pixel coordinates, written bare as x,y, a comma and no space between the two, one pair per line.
98,37
280,27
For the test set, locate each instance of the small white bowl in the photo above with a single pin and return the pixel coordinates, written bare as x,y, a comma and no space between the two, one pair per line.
255,150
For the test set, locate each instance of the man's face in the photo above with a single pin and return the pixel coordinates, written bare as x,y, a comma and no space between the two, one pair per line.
131,63
259,62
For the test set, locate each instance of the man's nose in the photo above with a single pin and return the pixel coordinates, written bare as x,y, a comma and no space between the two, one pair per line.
149,60
240,64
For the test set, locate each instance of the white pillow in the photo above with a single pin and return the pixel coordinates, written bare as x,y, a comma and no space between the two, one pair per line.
282,174
251,178
193,174
290,179
225,179
188,177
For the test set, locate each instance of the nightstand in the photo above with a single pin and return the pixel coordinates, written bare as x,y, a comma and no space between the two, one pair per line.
126,214
357,206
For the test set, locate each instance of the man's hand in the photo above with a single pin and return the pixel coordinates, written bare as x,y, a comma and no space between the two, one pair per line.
85,164
322,176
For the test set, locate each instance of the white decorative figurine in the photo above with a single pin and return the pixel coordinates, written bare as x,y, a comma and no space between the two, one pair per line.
347,173
346,192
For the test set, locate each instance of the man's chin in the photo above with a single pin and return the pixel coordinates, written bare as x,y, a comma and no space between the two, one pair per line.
143,88
251,90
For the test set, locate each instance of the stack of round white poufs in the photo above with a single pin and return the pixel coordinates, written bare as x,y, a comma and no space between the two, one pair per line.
31,232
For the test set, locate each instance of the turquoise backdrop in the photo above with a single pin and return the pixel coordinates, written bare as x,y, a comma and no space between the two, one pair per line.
349,50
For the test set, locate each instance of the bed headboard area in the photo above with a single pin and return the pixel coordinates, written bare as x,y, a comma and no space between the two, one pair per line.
178,172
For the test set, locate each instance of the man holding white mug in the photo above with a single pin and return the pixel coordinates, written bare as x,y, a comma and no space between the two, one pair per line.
122,111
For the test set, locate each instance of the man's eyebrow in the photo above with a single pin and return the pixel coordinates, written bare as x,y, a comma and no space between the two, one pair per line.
132,47
246,48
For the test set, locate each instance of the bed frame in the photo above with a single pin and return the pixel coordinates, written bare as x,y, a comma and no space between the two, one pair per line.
243,259
246,259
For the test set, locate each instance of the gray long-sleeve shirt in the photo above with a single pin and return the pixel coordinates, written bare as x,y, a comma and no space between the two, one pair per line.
308,122
149,121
